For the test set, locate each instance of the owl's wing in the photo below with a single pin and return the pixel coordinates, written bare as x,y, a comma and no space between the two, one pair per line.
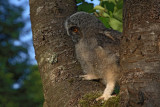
109,39
108,34
112,34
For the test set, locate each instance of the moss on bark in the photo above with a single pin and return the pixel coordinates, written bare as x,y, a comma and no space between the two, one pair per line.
88,100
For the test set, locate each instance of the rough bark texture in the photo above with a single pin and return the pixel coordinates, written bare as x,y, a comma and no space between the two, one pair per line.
140,54
55,54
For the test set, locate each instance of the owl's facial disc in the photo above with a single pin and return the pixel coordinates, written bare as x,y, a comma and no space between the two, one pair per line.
75,33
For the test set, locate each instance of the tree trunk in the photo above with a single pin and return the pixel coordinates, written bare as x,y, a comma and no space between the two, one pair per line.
140,54
55,54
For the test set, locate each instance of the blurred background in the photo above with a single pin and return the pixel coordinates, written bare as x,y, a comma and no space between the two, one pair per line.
20,83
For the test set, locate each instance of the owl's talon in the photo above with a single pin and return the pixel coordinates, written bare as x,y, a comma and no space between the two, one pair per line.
88,77
104,98
83,77
100,98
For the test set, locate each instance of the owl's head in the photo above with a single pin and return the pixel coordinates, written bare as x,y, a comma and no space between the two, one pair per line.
82,24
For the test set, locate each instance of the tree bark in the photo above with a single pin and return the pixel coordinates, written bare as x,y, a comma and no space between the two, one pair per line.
140,54
55,54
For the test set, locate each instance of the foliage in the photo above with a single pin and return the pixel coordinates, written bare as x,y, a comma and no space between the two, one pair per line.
31,92
85,6
110,13
14,66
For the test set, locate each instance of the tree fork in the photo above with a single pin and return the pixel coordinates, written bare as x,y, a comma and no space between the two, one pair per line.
140,54
55,54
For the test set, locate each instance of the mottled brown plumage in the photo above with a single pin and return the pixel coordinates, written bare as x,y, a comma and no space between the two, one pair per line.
97,49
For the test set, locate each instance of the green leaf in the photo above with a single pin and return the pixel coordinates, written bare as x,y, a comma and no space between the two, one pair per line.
105,21
118,14
79,1
108,5
115,24
112,1
98,7
104,14
120,4
87,7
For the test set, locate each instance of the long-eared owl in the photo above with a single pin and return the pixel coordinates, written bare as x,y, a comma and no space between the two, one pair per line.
97,49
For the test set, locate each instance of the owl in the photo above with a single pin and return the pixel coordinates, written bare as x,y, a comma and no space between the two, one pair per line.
96,48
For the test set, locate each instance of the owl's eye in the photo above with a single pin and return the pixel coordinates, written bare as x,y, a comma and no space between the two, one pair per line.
75,29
